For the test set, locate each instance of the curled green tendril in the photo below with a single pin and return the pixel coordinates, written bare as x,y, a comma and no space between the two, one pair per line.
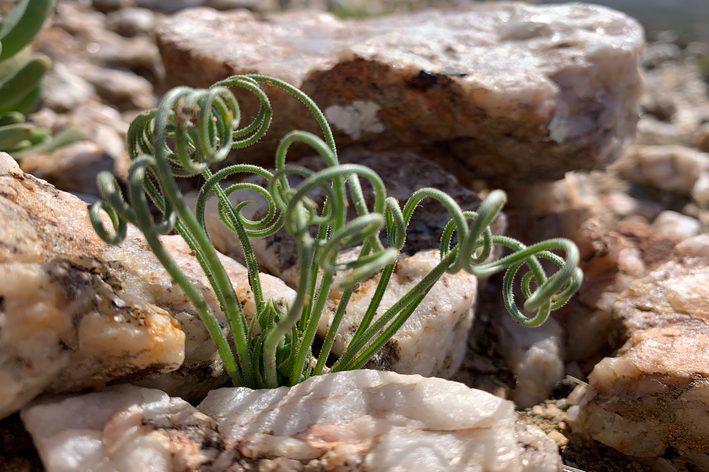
192,129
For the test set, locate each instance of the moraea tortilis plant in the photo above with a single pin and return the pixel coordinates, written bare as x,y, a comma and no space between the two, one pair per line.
192,129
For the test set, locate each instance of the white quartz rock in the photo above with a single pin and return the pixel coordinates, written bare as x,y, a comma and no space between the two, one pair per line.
349,421
77,313
125,428
536,357
433,340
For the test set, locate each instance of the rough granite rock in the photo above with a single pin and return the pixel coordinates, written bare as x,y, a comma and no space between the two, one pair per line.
501,92
77,313
350,421
652,396
65,328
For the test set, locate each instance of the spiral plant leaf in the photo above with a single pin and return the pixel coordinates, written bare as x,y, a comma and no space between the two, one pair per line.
192,129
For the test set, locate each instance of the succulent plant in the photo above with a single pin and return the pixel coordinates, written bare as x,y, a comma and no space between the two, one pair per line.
22,81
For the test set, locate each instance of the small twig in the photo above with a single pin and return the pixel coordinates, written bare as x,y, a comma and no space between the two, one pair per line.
577,381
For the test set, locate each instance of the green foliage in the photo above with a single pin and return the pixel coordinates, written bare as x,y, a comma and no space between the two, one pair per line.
22,81
192,129
358,12
703,66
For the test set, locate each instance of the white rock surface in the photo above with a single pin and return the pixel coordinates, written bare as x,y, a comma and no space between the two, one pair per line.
496,91
77,313
652,132
350,421
681,84
92,41
121,89
536,357
99,124
66,90
677,224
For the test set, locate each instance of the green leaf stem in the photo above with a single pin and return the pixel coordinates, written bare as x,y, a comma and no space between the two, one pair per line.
193,129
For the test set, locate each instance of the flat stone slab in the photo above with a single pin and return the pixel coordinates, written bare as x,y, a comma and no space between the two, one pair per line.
653,397
349,421
502,92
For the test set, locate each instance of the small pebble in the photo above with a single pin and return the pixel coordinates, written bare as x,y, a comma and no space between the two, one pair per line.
551,412
700,191
671,222
669,168
558,438
131,22
701,139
